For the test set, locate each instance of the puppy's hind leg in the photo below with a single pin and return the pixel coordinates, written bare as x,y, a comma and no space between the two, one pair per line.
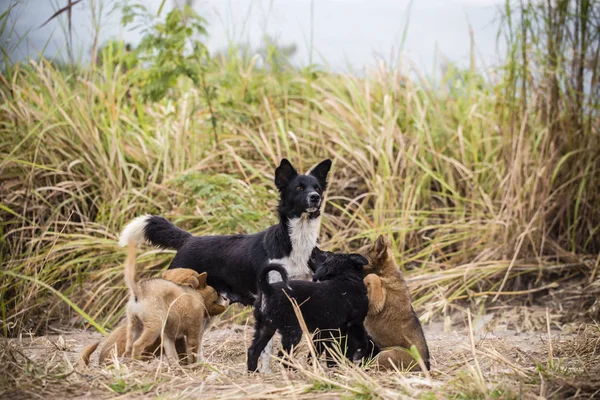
171,349
265,358
145,340
262,337
194,348
129,334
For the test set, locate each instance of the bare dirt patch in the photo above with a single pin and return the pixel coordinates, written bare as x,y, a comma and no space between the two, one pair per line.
490,360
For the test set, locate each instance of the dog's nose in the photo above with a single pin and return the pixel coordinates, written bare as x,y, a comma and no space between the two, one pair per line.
314,197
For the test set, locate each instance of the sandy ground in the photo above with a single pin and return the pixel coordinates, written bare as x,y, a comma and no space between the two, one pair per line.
494,358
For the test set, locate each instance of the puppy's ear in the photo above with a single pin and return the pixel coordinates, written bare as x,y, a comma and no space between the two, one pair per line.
202,280
320,172
284,174
359,260
380,247
192,282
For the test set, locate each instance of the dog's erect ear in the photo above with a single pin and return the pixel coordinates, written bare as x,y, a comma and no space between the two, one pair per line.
202,280
380,246
359,260
284,174
320,172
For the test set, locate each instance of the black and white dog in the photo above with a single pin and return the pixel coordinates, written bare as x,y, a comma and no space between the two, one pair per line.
233,262
335,306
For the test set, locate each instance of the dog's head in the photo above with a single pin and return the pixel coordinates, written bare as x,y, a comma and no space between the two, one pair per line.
301,194
334,264
376,253
190,278
212,301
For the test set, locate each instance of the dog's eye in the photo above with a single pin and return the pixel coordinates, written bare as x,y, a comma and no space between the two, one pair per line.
299,188
318,190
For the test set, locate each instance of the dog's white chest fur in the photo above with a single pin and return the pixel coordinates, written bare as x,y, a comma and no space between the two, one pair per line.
303,235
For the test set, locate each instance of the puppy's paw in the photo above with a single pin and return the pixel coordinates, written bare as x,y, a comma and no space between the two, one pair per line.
375,292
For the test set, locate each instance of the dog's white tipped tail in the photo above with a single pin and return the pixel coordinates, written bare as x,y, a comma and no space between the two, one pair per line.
134,231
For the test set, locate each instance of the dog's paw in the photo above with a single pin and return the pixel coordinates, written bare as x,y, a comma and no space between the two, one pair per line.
252,368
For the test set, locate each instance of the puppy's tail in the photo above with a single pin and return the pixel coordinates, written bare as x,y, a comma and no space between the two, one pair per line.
154,230
130,280
87,352
263,278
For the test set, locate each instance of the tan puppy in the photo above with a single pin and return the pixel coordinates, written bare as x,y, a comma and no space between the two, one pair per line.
115,343
391,321
158,307
212,300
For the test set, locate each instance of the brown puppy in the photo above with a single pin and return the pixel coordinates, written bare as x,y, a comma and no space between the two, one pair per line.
158,307
391,321
115,343
191,278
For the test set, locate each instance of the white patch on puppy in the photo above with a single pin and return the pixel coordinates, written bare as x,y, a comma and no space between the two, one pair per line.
265,358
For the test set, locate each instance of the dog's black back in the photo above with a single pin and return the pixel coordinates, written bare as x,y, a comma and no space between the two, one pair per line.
338,303
232,262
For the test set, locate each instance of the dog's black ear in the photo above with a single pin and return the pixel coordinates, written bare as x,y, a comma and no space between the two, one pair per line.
284,174
358,260
320,172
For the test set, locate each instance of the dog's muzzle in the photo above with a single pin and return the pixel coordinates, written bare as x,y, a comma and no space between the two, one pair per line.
314,202
358,356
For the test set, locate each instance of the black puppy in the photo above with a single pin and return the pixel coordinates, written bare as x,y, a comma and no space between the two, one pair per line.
233,262
352,341
338,303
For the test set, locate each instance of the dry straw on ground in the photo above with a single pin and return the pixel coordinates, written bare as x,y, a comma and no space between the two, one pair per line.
466,363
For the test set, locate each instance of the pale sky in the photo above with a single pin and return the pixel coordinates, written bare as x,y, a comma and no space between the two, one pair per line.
346,33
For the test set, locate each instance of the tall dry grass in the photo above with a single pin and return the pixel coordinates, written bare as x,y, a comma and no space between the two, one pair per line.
486,186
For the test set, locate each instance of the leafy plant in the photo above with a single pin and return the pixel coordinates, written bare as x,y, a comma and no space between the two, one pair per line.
169,50
226,203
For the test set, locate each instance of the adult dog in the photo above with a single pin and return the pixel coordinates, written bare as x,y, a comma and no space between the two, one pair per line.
233,262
